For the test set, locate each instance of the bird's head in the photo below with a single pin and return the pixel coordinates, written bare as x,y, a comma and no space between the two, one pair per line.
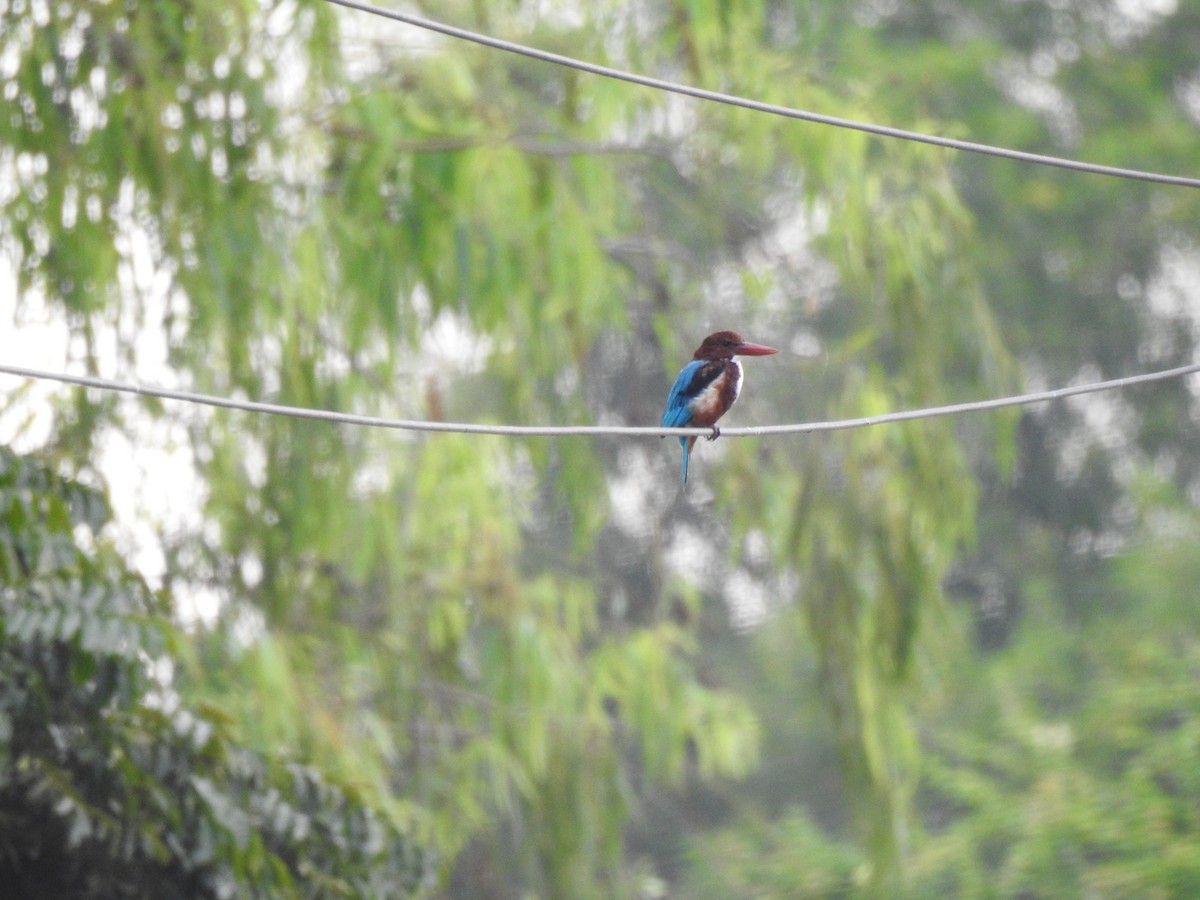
728,344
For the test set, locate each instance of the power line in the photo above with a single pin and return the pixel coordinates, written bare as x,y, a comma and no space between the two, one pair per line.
771,108
321,415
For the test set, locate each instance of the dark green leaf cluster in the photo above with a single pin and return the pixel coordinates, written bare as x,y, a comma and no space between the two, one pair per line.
109,786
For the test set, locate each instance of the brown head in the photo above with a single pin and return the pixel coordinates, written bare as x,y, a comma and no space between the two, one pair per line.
727,345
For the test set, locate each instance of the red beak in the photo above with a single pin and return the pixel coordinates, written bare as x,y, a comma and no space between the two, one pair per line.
746,349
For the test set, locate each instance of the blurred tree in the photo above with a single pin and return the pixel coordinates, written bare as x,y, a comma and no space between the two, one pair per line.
110,785
291,230
523,647
1066,763
1089,278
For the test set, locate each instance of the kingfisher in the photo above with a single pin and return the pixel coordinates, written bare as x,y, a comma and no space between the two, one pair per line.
707,386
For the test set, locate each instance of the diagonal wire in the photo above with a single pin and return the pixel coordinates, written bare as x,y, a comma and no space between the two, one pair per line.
759,106
321,415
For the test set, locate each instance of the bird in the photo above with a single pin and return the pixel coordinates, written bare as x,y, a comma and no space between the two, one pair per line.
707,386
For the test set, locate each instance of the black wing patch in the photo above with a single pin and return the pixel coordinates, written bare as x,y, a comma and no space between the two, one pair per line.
703,377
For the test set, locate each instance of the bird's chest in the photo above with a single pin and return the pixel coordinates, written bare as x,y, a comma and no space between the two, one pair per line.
718,395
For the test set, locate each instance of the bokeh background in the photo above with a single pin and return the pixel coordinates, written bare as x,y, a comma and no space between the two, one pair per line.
243,655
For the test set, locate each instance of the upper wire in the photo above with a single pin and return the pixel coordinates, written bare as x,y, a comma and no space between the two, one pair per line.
771,108
322,415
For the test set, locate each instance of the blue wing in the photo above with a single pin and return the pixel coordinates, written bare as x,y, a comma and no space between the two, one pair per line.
678,414
693,379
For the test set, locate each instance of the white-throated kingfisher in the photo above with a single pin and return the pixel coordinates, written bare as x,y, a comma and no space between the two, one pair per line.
707,386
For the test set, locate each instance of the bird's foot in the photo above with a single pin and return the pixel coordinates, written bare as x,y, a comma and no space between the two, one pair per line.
716,433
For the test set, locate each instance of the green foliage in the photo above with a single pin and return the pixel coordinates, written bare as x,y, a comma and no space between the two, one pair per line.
304,206
1078,775
458,188
110,786
788,857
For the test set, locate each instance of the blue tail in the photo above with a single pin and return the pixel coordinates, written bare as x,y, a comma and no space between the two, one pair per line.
683,442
